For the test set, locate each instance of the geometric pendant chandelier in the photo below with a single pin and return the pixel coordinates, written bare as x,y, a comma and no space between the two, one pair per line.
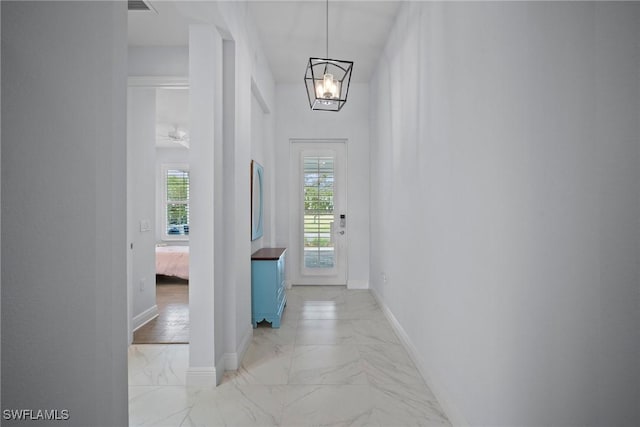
327,80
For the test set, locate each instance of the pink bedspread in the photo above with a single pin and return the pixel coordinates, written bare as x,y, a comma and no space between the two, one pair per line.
173,261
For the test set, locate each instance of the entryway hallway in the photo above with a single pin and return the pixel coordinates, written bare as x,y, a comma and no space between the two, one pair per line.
334,361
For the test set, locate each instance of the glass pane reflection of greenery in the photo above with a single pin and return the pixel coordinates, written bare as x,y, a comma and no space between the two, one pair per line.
318,212
177,202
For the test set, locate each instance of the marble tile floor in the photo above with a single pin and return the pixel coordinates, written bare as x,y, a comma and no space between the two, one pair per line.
335,361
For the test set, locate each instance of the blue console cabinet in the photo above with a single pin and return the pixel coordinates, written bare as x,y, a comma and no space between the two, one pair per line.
268,295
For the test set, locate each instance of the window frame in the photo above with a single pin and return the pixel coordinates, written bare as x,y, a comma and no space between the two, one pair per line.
166,167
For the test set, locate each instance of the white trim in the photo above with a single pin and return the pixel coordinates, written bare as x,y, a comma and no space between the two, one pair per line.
442,395
159,82
322,141
144,317
244,343
220,369
202,376
298,148
357,284
232,361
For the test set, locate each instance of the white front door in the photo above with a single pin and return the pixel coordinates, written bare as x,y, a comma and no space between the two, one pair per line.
318,222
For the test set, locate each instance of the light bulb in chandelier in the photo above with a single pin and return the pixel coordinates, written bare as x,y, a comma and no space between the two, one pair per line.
328,89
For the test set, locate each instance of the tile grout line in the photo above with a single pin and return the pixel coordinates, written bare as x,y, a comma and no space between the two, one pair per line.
281,394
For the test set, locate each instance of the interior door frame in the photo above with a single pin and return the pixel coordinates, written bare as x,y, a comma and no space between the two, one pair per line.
149,82
294,265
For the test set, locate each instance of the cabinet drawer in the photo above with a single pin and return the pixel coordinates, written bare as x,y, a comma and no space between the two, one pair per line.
280,294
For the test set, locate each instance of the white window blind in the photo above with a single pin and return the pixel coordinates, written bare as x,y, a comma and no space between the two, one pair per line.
177,202
319,248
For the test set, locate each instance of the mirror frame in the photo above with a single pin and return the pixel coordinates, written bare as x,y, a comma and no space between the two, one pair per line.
257,200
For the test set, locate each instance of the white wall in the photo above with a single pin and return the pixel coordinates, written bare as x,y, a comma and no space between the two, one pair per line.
141,161
0,199
257,153
505,204
262,151
242,213
245,65
205,106
295,120
225,257
158,61
63,209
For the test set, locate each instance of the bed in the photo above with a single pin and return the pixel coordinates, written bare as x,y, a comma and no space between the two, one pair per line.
172,261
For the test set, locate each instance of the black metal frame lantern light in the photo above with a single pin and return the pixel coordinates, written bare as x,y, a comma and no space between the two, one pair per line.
327,80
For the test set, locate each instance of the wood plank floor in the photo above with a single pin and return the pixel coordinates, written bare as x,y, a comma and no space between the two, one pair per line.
172,324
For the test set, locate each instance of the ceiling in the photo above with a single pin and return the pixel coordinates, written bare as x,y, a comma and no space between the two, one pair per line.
167,27
172,116
290,32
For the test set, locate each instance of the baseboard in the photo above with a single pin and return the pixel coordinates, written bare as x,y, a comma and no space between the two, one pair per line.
244,343
144,317
357,284
450,409
232,360
220,365
202,377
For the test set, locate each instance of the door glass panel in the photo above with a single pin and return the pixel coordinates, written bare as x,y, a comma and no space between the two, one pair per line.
319,247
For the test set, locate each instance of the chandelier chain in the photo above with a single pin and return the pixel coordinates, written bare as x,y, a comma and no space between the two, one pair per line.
327,29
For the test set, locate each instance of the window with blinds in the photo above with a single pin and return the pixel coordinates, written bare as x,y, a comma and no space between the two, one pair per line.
319,250
177,202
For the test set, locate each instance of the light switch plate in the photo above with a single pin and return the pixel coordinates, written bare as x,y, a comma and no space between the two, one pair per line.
144,225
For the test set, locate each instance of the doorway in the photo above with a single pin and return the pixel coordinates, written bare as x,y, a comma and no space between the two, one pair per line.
158,210
318,214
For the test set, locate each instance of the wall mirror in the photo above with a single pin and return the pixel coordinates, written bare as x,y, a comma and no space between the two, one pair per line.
257,200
